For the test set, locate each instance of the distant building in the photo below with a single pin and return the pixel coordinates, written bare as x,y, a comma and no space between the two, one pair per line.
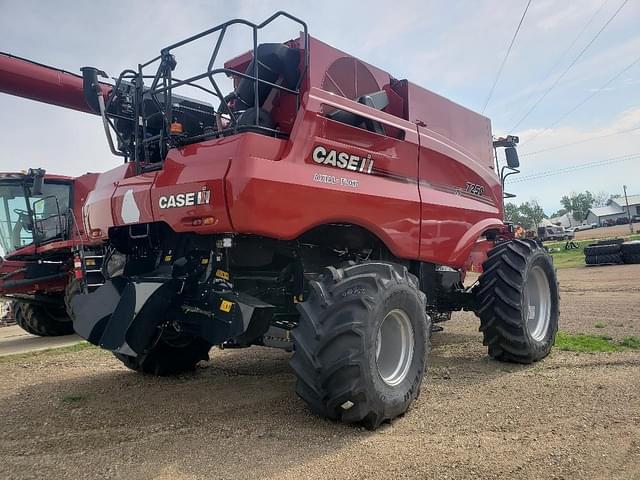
565,220
617,209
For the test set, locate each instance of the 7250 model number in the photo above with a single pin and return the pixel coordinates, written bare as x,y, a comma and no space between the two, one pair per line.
475,189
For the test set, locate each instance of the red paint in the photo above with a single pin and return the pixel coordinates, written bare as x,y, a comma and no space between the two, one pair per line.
27,79
11,267
415,200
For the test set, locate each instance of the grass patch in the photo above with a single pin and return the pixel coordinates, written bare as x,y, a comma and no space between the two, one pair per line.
585,343
73,398
567,258
600,325
574,258
76,347
632,343
594,343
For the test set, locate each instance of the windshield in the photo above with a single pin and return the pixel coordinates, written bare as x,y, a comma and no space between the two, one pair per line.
18,228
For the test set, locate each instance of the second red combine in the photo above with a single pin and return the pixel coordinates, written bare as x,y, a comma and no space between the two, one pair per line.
40,234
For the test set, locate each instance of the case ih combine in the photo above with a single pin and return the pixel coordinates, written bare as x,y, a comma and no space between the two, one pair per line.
322,207
38,235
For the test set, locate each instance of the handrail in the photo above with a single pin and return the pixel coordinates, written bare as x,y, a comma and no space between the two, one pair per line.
164,83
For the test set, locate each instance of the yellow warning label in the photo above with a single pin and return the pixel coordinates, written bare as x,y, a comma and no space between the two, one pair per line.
222,274
90,262
167,258
204,261
225,306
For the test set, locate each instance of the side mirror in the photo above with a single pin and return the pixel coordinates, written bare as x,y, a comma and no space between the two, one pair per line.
38,179
511,154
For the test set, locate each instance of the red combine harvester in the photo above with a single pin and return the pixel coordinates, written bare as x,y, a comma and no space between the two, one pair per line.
320,206
38,237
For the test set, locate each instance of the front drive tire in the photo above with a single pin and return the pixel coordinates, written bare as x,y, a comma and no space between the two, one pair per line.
361,344
519,302
73,288
169,357
41,320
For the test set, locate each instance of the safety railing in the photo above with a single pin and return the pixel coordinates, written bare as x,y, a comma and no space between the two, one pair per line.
163,84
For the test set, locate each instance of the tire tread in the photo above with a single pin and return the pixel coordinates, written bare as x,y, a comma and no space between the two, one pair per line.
327,358
499,294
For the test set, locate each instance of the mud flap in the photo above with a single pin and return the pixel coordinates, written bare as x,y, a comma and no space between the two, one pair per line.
124,314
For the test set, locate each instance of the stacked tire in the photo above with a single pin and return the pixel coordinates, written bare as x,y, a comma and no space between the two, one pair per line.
604,252
631,252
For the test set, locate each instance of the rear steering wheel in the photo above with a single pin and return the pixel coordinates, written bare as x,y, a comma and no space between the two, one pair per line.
19,211
24,218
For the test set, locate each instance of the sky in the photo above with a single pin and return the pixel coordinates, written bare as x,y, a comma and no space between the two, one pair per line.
454,48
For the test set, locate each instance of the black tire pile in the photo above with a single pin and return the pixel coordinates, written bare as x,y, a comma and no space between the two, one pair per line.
612,252
631,252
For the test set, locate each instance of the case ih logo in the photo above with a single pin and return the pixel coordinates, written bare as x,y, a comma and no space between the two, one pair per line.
185,199
343,160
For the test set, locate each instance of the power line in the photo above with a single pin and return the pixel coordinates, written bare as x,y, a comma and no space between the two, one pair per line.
579,166
557,147
585,100
573,168
568,49
573,62
504,60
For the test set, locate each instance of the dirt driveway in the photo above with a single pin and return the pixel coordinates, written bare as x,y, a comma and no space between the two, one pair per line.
83,415
607,232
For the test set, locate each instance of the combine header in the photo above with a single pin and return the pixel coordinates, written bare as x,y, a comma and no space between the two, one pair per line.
319,205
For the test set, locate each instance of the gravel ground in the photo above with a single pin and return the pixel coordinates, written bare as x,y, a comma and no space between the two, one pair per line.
83,415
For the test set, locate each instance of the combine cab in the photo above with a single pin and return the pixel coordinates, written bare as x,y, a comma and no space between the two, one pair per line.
305,200
38,235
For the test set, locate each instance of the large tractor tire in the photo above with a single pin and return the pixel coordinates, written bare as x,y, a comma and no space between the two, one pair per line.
631,258
608,259
361,344
631,252
41,320
614,241
73,288
599,250
171,355
17,316
518,302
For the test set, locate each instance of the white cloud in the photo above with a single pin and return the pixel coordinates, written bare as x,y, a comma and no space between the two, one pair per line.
610,178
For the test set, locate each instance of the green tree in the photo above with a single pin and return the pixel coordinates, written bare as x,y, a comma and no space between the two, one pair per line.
559,213
579,204
532,214
512,213
601,199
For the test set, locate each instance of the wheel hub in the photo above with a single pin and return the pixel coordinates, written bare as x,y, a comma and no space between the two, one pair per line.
394,347
538,303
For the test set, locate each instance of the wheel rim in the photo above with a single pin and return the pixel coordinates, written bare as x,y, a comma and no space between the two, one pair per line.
538,304
394,347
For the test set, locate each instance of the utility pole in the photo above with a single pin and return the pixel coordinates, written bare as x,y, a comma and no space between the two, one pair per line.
626,200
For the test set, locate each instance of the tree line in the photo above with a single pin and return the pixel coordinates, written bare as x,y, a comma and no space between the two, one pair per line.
530,214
